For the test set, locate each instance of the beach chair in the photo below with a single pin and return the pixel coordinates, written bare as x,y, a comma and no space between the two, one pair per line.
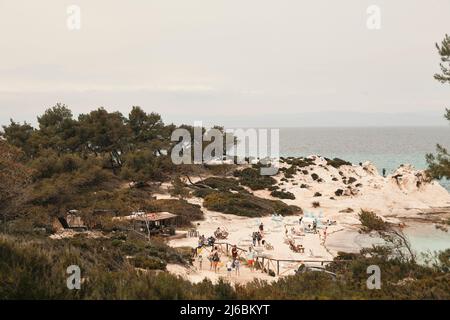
268,246
298,248
222,234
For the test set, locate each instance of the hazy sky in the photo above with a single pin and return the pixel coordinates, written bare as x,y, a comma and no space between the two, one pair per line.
258,62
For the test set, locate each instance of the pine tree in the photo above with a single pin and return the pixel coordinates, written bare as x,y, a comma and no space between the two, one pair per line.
439,163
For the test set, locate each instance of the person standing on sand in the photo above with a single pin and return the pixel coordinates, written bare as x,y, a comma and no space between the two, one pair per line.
216,260
236,266
211,257
250,258
261,228
200,262
234,252
259,237
254,236
229,268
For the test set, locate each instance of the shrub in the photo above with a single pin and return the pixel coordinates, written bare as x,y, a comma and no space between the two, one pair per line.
370,221
283,195
316,204
351,180
314,176
246,205
201,193
317,194
253,179
289,172
222,184
300,162
150,263
336,162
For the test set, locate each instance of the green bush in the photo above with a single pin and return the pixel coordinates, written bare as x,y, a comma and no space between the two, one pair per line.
300,162
246,205
370,221
148,262
283,195
222,184
253,179
336,162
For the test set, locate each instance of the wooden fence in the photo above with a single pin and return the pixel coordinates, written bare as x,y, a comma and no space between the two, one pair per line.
268,263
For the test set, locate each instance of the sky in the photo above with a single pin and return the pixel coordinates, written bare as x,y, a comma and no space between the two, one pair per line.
237,63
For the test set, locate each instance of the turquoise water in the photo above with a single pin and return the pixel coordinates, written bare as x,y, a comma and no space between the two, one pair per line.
386,147
426,238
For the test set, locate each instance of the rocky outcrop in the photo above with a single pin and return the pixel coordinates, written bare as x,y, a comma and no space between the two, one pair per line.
406,191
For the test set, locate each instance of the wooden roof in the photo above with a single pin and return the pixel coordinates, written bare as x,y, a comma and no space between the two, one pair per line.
150,216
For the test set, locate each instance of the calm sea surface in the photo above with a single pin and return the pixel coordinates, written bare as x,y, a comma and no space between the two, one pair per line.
386,147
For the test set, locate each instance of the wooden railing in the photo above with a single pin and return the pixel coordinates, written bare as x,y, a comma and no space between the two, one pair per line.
262,261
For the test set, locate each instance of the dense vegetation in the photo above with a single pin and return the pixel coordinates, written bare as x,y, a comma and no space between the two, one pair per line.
247,205
36,269
439,164
252,178
283,194
370,221
87,163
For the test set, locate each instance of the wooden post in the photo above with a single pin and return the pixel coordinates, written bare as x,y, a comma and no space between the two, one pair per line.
278,267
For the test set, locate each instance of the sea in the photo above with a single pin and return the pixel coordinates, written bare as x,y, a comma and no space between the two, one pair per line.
386,147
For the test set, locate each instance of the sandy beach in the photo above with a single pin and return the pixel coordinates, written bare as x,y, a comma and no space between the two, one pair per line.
401,197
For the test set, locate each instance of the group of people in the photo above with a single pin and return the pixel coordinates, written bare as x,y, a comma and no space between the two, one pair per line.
257,236
214,256
233,264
